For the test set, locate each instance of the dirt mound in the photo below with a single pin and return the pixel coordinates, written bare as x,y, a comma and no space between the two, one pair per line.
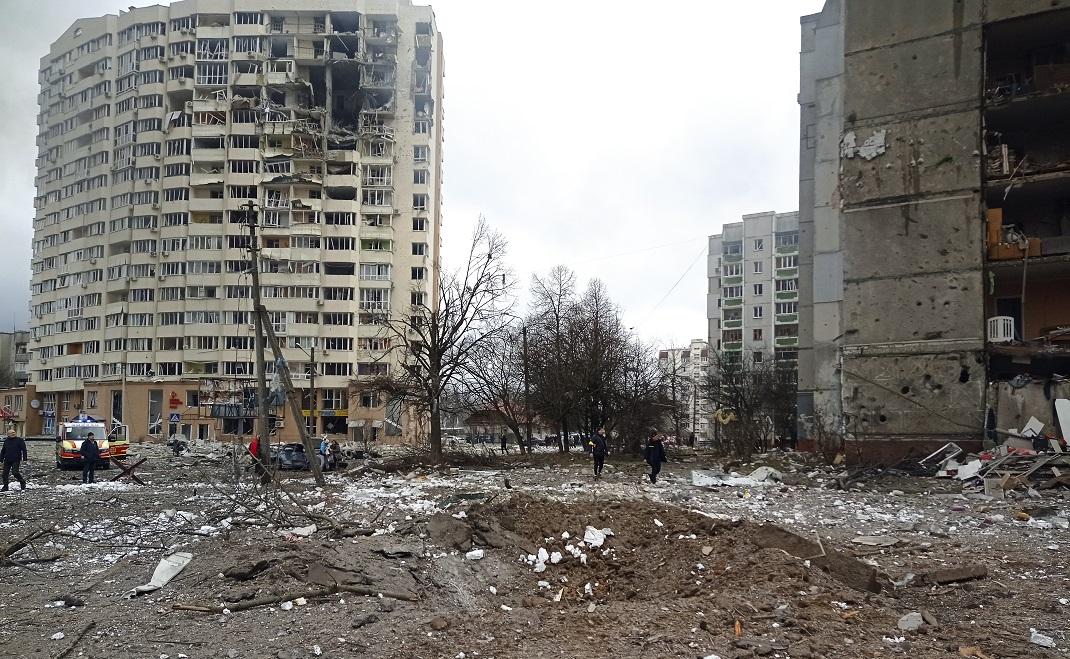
654,551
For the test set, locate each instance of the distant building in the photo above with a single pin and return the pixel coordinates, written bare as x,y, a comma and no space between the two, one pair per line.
753,298
686,369
14,358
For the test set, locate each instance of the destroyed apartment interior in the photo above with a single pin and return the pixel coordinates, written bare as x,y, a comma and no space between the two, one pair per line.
1027,197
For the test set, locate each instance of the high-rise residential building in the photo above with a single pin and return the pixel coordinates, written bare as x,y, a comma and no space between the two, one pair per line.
157,128
753,299
952,184
820,252
685,371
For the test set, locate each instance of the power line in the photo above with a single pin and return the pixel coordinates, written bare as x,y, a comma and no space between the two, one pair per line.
673,287
638,251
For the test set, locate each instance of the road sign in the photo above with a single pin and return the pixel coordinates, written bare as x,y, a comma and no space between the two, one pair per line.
175,417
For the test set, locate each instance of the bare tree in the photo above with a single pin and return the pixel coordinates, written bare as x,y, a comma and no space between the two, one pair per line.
553,339
494,380
756,397
439,339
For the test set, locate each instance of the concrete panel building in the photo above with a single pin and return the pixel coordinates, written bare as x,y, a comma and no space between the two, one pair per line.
752,303
820,251
686,370
156,128
953,186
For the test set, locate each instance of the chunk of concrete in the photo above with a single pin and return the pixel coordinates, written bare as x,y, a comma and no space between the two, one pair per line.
956,574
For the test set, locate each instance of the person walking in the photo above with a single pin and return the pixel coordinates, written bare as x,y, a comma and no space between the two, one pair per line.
599,448
654,454
90,451
12,454
505,444
325,452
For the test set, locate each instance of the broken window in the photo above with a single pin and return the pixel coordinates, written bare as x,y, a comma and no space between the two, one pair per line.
419,202
756,335
759,244
787,285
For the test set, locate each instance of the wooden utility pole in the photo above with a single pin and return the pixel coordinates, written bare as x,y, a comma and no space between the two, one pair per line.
262,421
293,397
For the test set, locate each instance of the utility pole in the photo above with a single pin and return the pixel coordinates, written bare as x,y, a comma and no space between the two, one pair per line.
312,388
527,388
262,421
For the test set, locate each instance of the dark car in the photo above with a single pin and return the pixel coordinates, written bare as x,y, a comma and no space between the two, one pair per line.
290,456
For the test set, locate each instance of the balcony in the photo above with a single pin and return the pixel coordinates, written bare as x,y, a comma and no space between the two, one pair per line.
375,305
734,302
787,273
733,346
785,341
787,249
732,324
787,318
732,281
787,295
732,258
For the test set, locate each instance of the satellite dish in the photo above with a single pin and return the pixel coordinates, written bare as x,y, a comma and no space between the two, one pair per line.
35,403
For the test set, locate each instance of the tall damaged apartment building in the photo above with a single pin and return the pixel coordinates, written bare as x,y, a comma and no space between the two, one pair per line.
934,220
157,128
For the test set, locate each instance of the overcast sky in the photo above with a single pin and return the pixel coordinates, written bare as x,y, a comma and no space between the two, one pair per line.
609,136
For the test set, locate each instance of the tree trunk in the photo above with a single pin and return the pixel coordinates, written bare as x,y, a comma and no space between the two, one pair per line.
436,433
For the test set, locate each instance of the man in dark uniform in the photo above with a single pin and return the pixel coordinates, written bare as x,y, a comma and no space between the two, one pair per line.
13,453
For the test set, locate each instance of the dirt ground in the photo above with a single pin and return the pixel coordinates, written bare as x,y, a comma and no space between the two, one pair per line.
502,559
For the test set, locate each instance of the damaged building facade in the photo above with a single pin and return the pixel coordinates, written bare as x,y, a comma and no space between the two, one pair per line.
157,127
950,215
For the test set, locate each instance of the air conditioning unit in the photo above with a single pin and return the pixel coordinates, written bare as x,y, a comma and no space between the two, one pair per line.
280,423
85,285
107,94
1000,329
319,303
130,211
163,60
162,277
156,206
166,253
156,156
92,261
153,229
152,253
184,31
250,54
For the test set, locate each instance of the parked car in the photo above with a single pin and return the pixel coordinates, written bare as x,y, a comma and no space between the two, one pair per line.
290,456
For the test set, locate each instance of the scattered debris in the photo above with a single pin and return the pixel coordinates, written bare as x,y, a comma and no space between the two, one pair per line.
167,570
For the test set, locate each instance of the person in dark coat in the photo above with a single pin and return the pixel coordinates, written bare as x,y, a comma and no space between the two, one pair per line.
13,453
654,454
90,451
505,444
599,448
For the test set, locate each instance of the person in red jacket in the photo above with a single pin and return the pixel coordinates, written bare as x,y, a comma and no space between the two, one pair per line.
254,453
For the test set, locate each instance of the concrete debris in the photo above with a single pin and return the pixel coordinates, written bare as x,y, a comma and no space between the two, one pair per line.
876,540
474,555
1043,640
911,622
955,574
